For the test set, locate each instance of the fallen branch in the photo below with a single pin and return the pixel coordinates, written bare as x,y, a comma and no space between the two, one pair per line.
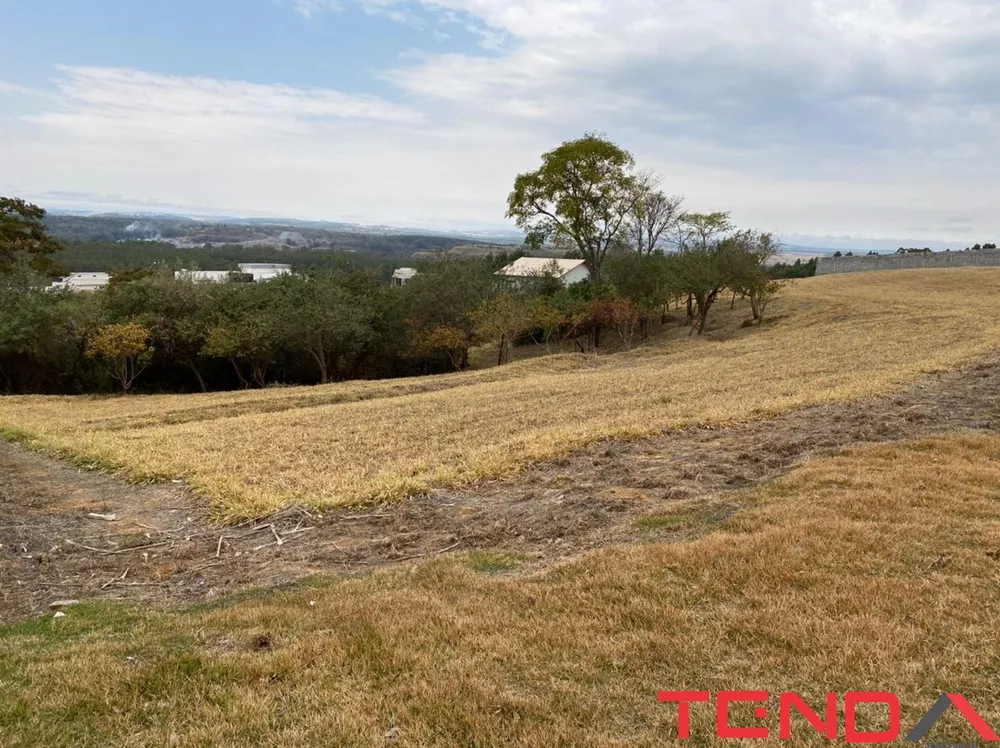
172,533
196,569
403,558
253,531
297,530
115,580
435,553
116,583
104,552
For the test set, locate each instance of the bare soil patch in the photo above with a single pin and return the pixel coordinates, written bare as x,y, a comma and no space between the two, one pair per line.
163,548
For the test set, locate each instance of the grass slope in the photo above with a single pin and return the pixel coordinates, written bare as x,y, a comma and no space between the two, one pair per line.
872,570
838,338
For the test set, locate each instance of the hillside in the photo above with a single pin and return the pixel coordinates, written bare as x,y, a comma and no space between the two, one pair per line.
834,339
770,545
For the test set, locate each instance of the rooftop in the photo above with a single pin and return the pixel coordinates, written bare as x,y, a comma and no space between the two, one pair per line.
527,267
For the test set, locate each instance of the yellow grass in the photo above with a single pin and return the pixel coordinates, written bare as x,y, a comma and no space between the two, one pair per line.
837,338
866,571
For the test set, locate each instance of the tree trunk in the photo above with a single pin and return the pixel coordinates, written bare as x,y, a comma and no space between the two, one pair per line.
197,374
454,360
703,304
320,359
239,374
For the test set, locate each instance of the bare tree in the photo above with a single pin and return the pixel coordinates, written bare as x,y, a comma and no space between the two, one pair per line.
654,216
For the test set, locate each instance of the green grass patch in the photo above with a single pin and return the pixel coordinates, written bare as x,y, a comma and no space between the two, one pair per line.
18,436
664,522
487,562
80,620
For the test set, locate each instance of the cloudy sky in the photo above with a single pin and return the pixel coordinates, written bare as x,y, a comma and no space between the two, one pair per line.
814,118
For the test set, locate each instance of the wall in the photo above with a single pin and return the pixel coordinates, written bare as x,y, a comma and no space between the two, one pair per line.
576,275
864,263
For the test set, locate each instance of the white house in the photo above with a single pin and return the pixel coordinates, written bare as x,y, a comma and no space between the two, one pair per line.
402,276
256,272
567,271
82,282
204,276
263,271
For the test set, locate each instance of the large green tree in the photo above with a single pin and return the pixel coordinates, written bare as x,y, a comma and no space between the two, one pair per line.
248,330
583,194
751,252
124,350
699,230
702,273
177,313
501,320
643,279
323,316
23,236
444,295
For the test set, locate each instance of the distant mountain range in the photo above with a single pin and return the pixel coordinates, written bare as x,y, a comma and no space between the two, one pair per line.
191,230
185,230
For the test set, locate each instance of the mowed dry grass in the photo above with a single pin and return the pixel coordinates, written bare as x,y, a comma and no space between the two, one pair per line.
836,338
871,570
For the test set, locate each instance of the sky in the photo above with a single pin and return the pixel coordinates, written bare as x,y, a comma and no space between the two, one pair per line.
827,121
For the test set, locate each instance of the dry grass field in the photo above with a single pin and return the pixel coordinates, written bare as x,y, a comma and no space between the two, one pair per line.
835,338
877,569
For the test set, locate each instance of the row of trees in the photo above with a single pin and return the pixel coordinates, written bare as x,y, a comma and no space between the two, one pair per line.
325,324
170,334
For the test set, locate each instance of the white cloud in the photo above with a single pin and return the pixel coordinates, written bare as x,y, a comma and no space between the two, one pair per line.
807,116
310,7
254,148
125,103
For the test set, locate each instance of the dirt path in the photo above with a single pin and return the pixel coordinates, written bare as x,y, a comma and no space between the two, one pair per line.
162,548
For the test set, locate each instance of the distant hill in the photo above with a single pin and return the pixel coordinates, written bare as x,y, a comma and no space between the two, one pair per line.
187,233
796,250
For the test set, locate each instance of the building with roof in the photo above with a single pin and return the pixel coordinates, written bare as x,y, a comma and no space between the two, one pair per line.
263,271
249,272
204,276
567,271
82,282
402,276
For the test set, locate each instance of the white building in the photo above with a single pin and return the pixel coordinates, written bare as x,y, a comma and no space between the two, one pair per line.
263,271
204,276
255,272
567,271
82,282
402,276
